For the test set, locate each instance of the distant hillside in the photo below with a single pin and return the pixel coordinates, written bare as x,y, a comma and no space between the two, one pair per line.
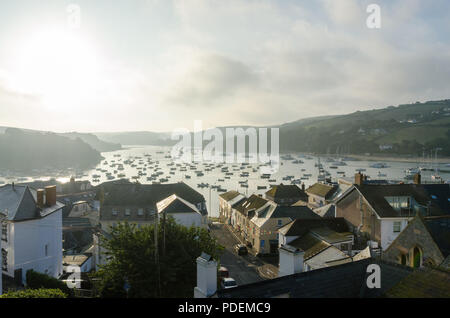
137,138
405,129
94,141
25,150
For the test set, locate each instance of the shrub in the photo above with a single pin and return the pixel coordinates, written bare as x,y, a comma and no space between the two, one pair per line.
37,280
35,293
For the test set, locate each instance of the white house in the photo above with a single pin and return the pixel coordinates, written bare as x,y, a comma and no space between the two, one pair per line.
182,211
31,231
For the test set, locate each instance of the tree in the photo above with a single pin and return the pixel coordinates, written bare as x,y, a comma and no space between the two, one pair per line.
35,293
150,272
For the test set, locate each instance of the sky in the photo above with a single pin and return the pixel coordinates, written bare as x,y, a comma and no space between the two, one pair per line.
158,65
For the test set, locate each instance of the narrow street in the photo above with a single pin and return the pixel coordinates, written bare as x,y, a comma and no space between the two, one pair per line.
244,269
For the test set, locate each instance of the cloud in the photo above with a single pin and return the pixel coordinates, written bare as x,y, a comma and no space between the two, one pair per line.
210,78
267,62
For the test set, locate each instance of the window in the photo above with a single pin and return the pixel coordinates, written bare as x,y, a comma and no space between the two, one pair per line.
280,222
115,212
4,259
46,249
262,243
140,212
397,226
127,212
5,232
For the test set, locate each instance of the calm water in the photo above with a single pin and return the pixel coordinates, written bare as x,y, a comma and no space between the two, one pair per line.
395,171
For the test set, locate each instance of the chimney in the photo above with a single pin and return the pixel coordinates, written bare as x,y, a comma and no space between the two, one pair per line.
50,195
303,187
359,179
40,198
417,178
206,276
291,260
14,189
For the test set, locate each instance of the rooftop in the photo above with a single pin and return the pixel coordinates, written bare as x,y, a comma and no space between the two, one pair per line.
321,190
286,191
340,281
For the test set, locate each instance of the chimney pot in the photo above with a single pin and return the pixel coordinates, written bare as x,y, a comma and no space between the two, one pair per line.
40,198
50,195
291,260
359,178
417,178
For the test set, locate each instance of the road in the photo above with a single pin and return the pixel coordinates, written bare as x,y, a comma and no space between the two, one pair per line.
244,269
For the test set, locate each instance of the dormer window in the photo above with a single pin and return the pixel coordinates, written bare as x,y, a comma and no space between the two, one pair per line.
399,203
127,212
140,212
115,212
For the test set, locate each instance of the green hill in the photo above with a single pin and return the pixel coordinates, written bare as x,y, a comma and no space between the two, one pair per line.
25,150
408,129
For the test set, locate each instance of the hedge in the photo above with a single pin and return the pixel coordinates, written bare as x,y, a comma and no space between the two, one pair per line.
36,280
35,293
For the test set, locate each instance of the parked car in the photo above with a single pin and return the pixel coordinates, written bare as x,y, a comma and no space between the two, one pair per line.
228,282
223,272
241,249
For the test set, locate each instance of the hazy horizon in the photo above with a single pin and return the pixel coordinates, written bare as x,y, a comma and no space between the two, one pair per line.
158,65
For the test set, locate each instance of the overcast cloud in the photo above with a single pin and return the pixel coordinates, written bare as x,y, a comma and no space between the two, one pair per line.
163,64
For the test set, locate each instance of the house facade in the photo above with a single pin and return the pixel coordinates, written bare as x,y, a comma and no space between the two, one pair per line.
380,213
181,211
31,232
137,203
264,225
226,202
425,241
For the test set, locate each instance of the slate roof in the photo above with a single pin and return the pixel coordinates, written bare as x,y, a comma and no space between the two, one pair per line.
149,194
295,212
310,244
375,196
131,195
326,211
230,195
439,229
301,227
343,281
321,190
273,210
283,191
20,203
175,204
253,202
326,256
423,283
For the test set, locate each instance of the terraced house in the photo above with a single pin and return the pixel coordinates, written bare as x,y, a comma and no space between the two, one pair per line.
226,202
137,203
243,212
264,225
380,213
142,204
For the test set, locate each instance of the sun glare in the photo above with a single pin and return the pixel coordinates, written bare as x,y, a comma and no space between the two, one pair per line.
60,67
